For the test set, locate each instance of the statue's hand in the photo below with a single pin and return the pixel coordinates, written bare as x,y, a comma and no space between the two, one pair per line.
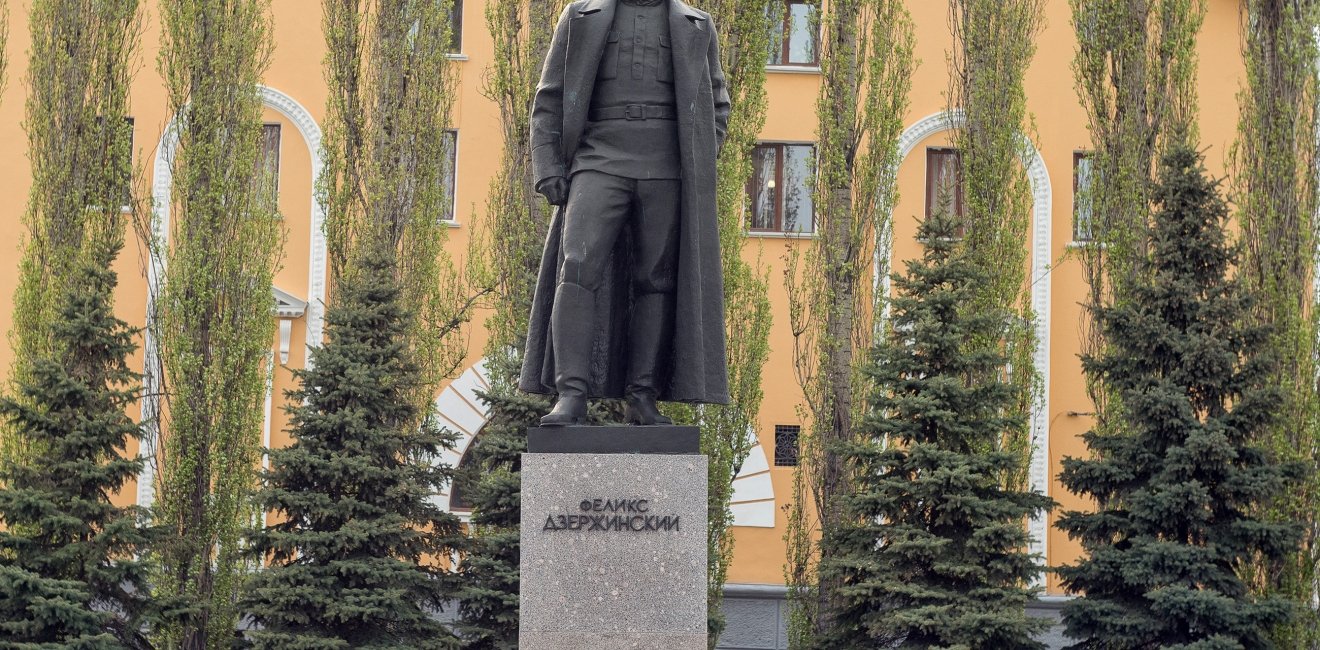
554,189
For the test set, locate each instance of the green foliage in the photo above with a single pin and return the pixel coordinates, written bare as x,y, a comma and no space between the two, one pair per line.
994,44
68,573
391,91
1135,71
934,554
211,321
1275,192
489,594
744,29
513,233
80,66
1180,489
834,307
353,563
517,218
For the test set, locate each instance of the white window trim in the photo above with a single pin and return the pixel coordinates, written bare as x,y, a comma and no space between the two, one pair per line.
793,69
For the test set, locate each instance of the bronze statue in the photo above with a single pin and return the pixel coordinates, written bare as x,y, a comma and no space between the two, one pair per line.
627,121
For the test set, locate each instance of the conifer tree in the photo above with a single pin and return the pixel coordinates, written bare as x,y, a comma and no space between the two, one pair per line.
1179,493
489,595
68,575
936,551
353,563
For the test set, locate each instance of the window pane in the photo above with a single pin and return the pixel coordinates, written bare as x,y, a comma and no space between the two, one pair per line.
1082,212
798,208
942,182
764,197
801,33
451,171
456,27
124,165
269,160
777,36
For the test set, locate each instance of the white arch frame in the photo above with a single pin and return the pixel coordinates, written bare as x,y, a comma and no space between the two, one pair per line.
1042,232
162,182
459,408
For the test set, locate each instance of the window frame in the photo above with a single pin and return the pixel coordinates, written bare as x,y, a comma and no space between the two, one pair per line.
452,220
279,153
456,28
786,43
959,203
1078,156
126,206
781,157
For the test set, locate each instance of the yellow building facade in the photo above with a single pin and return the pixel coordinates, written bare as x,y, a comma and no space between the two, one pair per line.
294,92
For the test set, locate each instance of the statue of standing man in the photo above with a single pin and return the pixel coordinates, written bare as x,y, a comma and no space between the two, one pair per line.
627,122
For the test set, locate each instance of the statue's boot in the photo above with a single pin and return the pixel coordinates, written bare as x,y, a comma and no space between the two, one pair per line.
649,336
570,333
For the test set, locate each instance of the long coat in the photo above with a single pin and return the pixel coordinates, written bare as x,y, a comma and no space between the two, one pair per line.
559,116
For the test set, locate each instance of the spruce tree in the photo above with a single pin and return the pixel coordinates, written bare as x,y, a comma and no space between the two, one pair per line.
935,553
489,595
1180,492
68,573
354,561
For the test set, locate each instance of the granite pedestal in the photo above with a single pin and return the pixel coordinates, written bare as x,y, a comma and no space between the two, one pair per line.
613,539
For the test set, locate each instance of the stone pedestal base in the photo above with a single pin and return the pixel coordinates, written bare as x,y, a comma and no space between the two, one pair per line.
613,551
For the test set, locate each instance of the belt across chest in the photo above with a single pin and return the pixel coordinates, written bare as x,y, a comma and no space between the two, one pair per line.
634,112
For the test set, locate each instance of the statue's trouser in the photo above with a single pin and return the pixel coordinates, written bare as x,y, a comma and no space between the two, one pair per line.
599,206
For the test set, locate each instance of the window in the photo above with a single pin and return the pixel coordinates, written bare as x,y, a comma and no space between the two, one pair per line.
786,445
459,501
116,147
795,39
780,188
456,27
451,175
125,167
944,187
1083,210
268,162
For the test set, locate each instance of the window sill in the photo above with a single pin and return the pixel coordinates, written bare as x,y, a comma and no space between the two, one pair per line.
760,234
457,57
793,69
451,223
1087,244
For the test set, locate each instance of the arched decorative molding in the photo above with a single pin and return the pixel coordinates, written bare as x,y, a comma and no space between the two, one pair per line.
162,183
461,411
1041,232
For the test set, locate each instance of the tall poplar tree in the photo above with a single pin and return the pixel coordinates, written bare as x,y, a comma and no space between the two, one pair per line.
388,156
935,553
866,69
69,575
994,42
514,230
212,317
79,68
1134,70
1180,488
358,558
744,28
1276,195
